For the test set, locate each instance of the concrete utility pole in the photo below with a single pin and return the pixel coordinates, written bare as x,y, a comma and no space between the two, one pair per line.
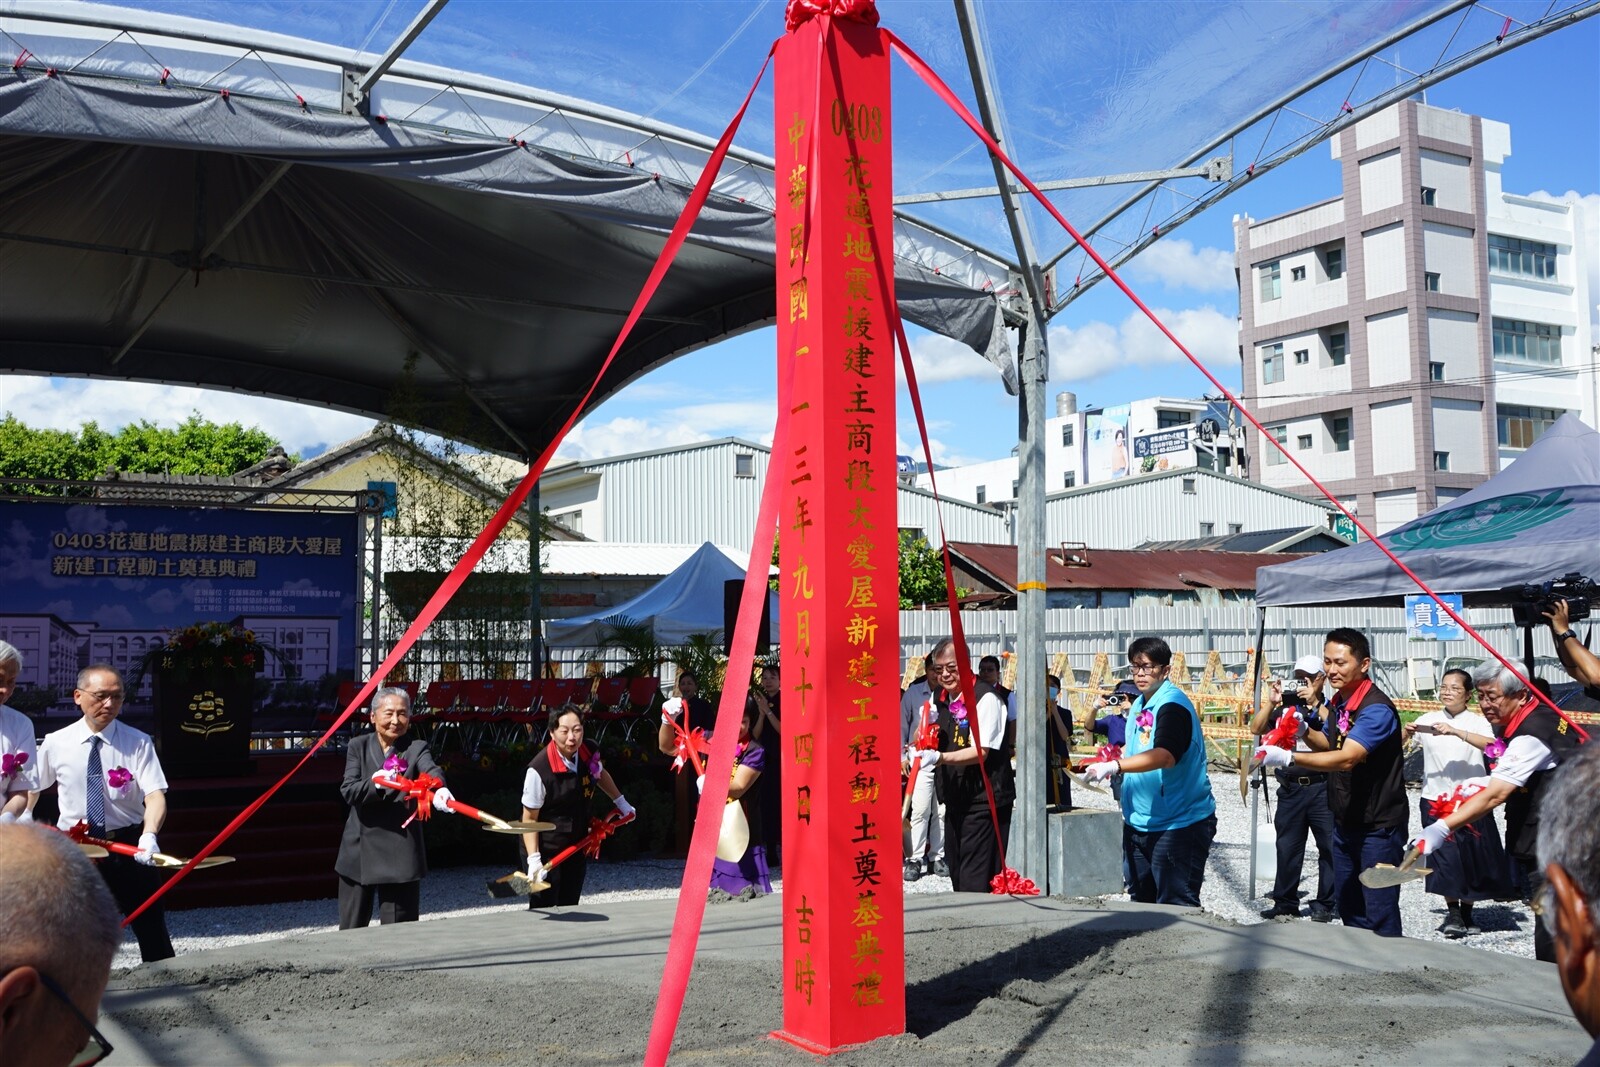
1028,841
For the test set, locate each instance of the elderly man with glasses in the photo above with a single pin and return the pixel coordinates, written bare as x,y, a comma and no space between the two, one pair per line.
59,930
1530,742
107,774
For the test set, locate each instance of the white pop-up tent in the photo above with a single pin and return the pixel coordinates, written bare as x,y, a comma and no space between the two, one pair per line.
687,601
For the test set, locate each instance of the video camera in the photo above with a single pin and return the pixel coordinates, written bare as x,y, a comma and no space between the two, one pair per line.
1529,602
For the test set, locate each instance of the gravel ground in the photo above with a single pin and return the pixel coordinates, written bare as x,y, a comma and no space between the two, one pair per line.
460,891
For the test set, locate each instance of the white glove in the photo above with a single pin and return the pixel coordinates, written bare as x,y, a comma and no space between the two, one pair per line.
147,849
6,816
671,710
623,806
26,816
700,784
1102,771
440,796
930,756
535,867
384,776
1434,835
1273,756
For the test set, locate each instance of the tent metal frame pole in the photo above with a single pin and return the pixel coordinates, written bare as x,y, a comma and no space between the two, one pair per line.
1030,838
1255,794
358,87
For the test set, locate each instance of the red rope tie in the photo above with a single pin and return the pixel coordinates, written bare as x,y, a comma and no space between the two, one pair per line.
302,101
381,120
1345,108
1504,29
22,57
50,73
166,72
224,93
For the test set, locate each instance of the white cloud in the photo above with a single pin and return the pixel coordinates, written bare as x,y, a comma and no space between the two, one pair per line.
907,443
67,403
750,419
1097,348
939,359
1177,264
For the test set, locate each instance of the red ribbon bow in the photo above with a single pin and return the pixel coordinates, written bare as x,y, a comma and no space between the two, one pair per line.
421,789
1286,733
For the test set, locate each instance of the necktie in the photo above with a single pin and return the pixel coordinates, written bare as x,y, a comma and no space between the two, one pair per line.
95,790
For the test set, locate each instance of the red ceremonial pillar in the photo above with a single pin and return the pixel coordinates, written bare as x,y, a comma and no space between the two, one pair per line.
843,924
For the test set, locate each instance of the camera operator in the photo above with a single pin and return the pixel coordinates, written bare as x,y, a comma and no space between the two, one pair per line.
1302,796
1576,660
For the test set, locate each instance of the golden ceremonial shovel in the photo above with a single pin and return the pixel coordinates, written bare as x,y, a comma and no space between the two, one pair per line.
497,824
1385,875
734,837
94,852
161,859
515,884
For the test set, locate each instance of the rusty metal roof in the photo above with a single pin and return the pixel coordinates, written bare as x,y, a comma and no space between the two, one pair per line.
1126,568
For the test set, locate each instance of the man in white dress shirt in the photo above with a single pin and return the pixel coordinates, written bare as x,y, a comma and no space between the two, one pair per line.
107,775
19,759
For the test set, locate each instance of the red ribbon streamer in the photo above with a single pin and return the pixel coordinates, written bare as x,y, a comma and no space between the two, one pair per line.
940,89
481,544
420,789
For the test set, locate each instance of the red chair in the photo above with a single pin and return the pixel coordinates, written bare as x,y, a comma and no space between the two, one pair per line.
442,696
610,692
643,693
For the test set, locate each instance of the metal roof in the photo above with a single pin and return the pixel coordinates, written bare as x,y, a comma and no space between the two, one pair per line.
1126,569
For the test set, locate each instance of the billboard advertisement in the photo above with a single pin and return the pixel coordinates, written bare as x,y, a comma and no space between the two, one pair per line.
89,582
1106,444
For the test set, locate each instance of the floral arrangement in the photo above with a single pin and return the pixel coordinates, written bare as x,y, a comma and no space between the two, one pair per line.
1145,720
208,648
117,778
1494,749
958,709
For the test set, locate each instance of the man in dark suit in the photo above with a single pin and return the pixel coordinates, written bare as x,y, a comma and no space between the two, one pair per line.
379,857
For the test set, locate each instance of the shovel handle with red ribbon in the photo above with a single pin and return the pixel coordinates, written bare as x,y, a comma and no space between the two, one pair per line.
599,830
421,790
80,834
927,739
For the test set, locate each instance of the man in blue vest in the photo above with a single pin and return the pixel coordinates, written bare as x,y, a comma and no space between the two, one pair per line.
1169,817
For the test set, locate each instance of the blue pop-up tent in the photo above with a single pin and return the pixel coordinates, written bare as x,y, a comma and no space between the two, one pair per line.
687,601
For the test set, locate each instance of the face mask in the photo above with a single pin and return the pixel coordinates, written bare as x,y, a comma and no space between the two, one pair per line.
1054,692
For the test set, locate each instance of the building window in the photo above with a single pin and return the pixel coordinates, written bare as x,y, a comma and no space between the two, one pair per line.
1441,461
1166,420
1528,342
1208,529
1069,479
1436,372
1429,195
1279,434
1302,356
1236,527
1512,255
1271,281
569,520
1339,432
1297,274
744,465
983,494
1066,436
1430,281
1336,349
1188,486
1302,441
1520,426
1014,490
1333,261
1272,364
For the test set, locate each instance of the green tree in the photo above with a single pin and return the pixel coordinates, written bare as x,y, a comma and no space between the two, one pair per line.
921,571
195,446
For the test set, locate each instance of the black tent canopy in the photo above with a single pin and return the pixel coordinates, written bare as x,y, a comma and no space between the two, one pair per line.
172,232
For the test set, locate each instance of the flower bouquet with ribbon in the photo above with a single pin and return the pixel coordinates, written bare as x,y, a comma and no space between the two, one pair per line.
11,764
205,650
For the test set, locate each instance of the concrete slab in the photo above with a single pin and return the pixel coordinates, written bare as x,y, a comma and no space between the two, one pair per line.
991,981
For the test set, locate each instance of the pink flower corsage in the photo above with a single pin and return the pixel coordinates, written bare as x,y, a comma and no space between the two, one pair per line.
1145,720
11,763
594,765
395,763
118,778
1494,749
1344,722
958,709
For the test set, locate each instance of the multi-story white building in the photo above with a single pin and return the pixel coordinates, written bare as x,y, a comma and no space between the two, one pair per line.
1408,338
1103,444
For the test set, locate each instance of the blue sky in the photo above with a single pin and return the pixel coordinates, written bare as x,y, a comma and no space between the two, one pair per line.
1548,91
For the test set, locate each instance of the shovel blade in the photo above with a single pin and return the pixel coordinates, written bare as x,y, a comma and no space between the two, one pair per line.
735,835
1385,875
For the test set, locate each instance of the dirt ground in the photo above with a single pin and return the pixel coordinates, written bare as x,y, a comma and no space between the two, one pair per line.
990,981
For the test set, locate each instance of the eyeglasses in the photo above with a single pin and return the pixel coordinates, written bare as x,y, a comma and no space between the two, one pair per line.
109,696
96,1048
946,668
1143,668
